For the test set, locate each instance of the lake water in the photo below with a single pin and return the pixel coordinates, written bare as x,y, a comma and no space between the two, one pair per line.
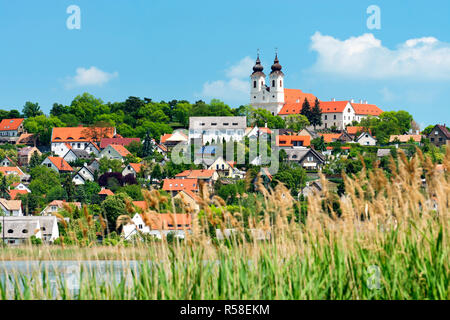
68,272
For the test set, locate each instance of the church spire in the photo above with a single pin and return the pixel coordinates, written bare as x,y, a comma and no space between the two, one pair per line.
257,67
276,67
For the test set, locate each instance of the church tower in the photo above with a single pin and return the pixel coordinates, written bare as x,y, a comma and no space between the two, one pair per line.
271,96
276,79
258,84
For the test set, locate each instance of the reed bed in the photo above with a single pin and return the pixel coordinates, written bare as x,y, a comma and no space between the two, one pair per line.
387,237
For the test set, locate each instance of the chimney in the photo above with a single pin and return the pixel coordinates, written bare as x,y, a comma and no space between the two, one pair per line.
265,125
352,101
333,99
365,101
360,101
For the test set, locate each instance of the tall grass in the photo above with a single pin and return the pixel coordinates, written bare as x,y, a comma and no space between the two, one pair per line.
386,238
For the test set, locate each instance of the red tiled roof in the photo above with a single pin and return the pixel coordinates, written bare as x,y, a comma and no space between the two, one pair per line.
196,174
287,140
59,203
119,141
169,221
136,167
367,109
330,137
60,163
165,137
298,96
141,205
354,130
106,192
9,170
120,149
191,194
79,133
10,124
180,184
14,193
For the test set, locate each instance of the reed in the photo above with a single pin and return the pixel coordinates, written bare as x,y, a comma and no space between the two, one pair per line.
385,238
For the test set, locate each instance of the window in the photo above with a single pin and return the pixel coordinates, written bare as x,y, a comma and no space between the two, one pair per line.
273,83
262,83
254,84
281,83
326,117
24,231
214,124
226,124
10,231
235,123
334,118
140,226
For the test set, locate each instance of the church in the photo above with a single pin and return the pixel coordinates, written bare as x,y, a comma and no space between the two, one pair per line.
283,102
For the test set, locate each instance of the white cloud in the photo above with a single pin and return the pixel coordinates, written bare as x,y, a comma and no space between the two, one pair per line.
387,94
236,85
90,77
366,57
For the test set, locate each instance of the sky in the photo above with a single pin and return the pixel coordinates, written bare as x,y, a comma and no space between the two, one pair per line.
196,50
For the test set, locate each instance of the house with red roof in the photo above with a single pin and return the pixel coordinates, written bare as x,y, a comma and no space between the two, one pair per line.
115,152
206,175
15,193
293,141
12,170
176,185
81,138
11,129
132,168
58,164
7,162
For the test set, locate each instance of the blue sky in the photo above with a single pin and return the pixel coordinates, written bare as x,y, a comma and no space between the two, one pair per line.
204,49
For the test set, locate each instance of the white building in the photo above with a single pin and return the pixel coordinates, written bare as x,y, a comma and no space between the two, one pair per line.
79,138
160,224
11,207
366,139
208,129
18,230
269,97
85,173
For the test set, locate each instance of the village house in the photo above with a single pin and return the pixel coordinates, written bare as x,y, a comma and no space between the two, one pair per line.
225,169
439,136
308,132
176,185
10,130
13,170
204,130
85,173
14,193
189,198
312,187
159,225
207,176
57,164
105,193
79,138
20,186
170,140
132,168
258,133
18,230
366,139
7,162
11,207
307,158
288,141
73,155
114,152
57,205
24,155
406,138
27,139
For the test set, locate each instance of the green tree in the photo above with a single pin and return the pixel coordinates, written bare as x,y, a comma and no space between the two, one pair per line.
113,207
35,160
31,109
43,179
42,127
316,114
306,109
296,122
319,143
